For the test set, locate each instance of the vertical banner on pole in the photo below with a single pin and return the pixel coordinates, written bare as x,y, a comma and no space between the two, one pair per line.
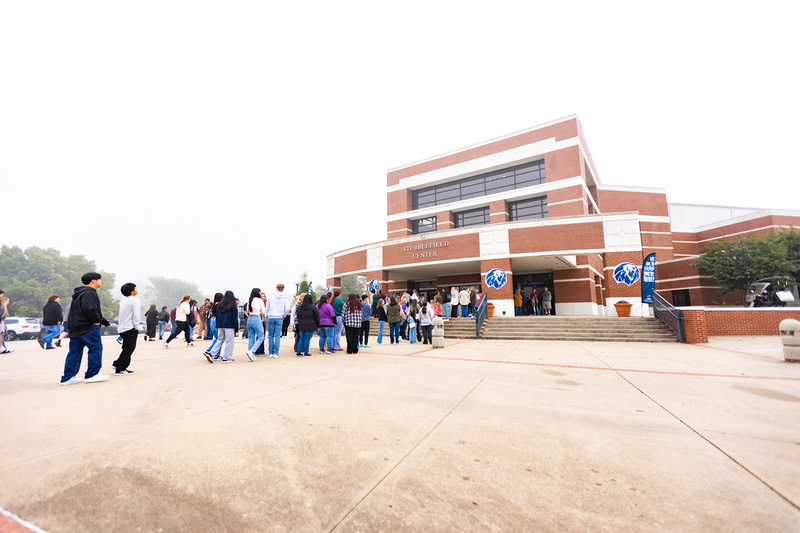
648,278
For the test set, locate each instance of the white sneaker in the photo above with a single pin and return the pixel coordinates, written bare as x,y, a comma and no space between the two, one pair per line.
72,381
165,345
250,355
97,378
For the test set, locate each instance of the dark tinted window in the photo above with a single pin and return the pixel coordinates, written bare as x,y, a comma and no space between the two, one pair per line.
423,225
530,208
473,217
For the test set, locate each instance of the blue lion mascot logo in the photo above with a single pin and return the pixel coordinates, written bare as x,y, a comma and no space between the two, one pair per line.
496,278
374,285
626,273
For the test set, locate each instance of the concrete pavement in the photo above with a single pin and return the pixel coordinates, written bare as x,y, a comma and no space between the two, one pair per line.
482,435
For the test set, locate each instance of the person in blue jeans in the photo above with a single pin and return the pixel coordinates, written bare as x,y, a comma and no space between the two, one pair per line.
327,319
85,318
338,328
307,320
380,312
212,324
52,316
277,307
255,326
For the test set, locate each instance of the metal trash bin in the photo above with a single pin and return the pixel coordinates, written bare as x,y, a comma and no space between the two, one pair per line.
790,337
437,337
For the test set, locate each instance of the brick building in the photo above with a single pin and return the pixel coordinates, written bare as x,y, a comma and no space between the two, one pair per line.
531,205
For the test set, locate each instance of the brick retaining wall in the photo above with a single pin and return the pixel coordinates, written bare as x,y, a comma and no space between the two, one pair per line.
699,323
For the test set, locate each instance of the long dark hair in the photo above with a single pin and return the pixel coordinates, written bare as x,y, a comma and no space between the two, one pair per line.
353,304
322,301
227,303
255,293
215,305
392,301
306,302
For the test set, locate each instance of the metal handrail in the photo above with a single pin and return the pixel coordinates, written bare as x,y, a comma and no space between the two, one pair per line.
480,315
669,315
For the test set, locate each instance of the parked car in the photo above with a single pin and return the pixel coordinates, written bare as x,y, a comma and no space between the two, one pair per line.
21,327
777,291
111,329
142,327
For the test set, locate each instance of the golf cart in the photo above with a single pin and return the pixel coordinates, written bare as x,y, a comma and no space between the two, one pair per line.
771,292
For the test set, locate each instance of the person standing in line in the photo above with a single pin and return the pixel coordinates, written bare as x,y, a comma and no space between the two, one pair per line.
376,296
534,302
52,317
293,319
547,300
307,321
473,301
227,315
463,302
181,313
212,323
151,321
425,319
278,306
129,309
85,318
163,318
327,322
351,316
202,319
3,314
394,316
366,314
517,303
255,326
381,315
337,304
453,302
446,305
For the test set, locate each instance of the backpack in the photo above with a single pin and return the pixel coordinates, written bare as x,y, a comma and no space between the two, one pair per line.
172,313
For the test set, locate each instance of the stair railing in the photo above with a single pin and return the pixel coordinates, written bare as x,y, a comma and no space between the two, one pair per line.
669,315
480,315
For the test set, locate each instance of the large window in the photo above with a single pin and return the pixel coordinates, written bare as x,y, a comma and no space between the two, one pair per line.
475,186
423,225
530,208
473,217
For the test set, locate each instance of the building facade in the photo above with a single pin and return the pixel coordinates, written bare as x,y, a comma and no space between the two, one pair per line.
527,211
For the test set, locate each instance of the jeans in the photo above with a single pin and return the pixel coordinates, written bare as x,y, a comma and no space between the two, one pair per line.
224,339
274,326
325,335
162,327
464,311
446,311
255,333
381,325
394,332
212,329
52,333
337,333
94,353
517,310
412,334
305,342
426,334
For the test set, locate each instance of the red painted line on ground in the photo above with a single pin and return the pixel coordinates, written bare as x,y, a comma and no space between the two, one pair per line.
767,357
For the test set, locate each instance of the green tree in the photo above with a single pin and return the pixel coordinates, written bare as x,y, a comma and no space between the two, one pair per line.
169,291
302,288
31,276
354,285
791,240
736,264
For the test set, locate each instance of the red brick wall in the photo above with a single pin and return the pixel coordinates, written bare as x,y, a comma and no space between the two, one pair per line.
620,290
574,285
404,227
459,246
570,208
567,237
350,262
646,203
498,211
445,220
561,131
562,164
699,324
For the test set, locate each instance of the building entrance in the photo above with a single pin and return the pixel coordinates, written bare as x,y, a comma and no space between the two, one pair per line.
528,283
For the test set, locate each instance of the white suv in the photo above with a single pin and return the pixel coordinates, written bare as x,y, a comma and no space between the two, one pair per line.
22,328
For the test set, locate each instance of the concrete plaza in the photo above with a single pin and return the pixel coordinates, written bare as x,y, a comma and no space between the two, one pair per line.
479,436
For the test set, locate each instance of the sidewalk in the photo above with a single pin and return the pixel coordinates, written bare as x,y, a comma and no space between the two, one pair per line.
482,435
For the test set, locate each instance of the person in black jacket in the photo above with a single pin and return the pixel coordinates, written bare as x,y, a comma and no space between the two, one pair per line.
307,324
52,316
85,318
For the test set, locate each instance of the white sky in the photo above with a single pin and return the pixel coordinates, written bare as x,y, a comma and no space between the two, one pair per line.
235,144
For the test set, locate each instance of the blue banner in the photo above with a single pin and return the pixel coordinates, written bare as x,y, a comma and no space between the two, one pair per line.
648,279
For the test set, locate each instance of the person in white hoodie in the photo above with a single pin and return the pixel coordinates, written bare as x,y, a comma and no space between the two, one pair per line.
278,306
128,328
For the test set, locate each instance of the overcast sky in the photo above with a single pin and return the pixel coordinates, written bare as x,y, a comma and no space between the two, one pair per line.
236,144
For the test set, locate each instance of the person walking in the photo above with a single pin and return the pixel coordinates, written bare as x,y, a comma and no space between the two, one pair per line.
366,314
327,320
255,326
163,318
394,316
128,328
227,315
351,316
212,322
85,318
52,317
151,321
202,319
337,304
380,313
307,321
278,306
181,314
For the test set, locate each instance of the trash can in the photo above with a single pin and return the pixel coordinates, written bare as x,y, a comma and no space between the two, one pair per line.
790,337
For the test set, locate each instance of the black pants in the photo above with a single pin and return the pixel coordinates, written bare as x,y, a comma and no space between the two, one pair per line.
364,337
285,326
151,329
180,326
352,339
128,346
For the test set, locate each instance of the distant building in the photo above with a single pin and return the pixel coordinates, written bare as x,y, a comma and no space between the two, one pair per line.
529,210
